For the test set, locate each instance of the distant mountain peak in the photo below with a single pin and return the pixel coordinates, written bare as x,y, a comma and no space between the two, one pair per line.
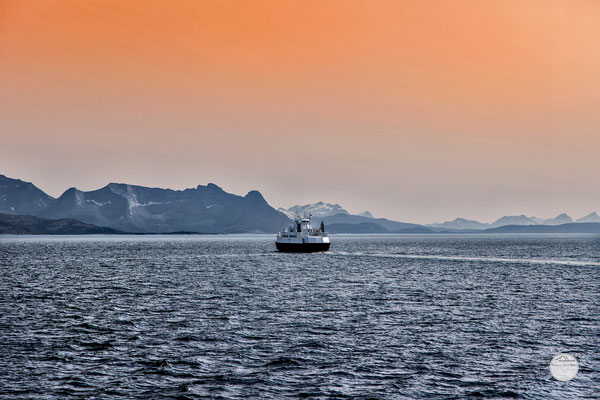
366,214
460,223
591,217
319,209
558,220
513,220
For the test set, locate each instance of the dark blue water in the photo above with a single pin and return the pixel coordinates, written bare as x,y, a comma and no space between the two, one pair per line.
382,317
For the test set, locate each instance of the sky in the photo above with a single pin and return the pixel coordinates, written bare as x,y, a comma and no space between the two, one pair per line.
418,111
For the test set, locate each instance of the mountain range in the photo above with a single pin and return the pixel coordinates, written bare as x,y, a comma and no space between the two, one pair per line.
318,210
461,223
209,209
139,209
339,220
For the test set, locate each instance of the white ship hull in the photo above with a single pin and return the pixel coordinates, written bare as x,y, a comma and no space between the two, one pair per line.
302,238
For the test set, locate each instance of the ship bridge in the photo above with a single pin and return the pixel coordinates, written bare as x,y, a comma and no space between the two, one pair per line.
302,237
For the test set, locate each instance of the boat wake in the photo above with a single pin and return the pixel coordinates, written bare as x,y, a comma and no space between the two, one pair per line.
470,259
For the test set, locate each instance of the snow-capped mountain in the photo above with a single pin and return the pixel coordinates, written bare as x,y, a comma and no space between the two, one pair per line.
317,210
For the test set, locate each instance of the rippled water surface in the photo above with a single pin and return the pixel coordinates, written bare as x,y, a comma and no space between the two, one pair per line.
382,317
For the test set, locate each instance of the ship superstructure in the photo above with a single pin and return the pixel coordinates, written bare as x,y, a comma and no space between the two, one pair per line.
302,237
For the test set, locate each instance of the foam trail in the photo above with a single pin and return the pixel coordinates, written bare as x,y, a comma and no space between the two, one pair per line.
480,259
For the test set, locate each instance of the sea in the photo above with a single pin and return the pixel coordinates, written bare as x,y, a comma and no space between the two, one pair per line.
229,317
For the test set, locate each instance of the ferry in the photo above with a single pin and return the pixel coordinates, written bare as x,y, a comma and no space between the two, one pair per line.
301,237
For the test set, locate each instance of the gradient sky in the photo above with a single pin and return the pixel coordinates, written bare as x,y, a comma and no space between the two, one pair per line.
419,111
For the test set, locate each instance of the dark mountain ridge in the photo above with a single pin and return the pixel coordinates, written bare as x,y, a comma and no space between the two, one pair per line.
20,197
30,225
139,209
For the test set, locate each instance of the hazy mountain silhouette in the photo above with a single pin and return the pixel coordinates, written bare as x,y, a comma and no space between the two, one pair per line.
586,227
592,217
362,227
513,220
558,220
348,219
460,223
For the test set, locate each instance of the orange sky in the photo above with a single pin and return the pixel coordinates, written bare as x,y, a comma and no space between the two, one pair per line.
418,111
